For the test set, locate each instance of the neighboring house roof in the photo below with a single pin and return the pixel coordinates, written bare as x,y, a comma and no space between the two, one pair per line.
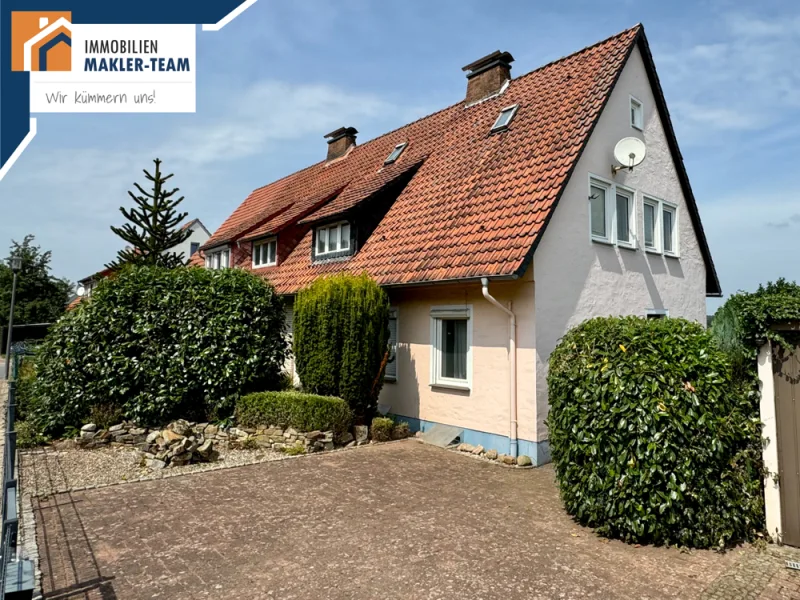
478,204
194,224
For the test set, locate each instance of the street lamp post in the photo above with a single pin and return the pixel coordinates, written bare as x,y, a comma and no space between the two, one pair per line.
16,265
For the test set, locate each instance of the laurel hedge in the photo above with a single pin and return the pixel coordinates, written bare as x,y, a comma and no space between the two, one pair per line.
341,337
304,412
159,344
651,441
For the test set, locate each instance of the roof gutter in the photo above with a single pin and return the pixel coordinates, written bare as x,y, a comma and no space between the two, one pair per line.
512,355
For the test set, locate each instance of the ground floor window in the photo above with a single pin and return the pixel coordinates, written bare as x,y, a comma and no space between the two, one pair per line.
391,366
451,341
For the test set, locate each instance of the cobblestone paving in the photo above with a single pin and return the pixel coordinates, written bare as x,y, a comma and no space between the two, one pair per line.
398,520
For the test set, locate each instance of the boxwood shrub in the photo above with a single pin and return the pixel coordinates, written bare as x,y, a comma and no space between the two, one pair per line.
304,412
158,344
651,442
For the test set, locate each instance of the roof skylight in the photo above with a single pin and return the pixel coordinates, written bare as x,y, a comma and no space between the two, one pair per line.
395,154
504,118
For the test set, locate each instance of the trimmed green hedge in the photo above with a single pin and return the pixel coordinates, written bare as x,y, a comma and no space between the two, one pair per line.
159,344
304,412
341,336
651,441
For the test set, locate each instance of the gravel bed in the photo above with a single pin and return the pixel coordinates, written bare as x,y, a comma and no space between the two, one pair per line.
47,471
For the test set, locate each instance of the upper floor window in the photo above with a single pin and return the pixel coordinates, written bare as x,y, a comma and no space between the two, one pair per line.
193,248
218,258
611,214
265,253
637,114
395,154
660,226
333,239
504,118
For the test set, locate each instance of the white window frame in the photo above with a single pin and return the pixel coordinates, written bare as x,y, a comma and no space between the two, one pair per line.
512,110
656,204
214,258
327,228
611,189
671,207
658,235
440,313
265,242
636,113
394,313
396,153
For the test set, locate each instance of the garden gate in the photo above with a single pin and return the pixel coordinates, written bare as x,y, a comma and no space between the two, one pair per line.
786,376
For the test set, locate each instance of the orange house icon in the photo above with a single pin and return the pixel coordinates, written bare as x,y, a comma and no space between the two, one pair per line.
41,41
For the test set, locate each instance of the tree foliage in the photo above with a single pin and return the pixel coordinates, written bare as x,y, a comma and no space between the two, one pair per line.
41,298
152,225
341,336
651,441
160,343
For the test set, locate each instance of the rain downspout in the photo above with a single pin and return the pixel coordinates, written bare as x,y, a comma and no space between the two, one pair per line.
512,351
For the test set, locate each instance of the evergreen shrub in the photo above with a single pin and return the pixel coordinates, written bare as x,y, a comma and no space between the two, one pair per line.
651,441
304,412
341,336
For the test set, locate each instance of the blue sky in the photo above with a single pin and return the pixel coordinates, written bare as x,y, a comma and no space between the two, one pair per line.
283,74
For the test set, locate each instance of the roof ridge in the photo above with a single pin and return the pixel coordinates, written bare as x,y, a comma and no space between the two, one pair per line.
455,104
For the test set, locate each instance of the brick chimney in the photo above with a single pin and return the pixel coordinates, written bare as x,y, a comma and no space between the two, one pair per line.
487,75
339,142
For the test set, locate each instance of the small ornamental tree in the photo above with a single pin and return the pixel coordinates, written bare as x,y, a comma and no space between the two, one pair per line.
341,340
161,343
152,228
651,441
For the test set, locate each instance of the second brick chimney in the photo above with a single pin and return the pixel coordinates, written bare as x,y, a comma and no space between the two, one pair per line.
339,142
487,75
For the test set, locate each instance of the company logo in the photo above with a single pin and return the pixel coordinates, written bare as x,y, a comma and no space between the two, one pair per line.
41,41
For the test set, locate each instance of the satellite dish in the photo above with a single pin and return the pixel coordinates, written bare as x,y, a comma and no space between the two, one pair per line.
629,152
81,291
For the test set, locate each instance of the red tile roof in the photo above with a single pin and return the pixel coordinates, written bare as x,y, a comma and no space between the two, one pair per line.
478,203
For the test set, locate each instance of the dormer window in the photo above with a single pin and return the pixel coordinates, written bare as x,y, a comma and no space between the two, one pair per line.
332,240
218,258
637,114
504,118
265,253
395,154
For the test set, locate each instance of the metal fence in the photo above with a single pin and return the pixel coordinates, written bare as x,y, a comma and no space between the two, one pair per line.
16,572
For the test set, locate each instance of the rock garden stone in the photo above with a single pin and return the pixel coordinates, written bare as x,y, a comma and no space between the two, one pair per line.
346,438
211,430
89,427
152,437
506,459
361,433
87,434
524,461
478,450
116,427
491,454
179,427
137,431
466,447
154,463
171,436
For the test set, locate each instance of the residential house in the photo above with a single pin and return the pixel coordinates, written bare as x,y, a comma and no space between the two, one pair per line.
189,247
495,225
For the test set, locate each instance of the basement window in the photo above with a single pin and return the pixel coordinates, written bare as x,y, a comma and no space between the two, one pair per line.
265,253
218,259
504,118
395,154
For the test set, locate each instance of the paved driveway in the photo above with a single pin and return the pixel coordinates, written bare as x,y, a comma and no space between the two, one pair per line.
399,520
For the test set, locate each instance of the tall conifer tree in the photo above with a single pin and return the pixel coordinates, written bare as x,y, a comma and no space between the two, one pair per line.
152,227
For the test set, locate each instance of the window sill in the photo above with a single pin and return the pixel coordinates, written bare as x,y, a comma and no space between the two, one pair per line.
637,128
627,246
603,241
390,379
452,386
654,251
672,255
